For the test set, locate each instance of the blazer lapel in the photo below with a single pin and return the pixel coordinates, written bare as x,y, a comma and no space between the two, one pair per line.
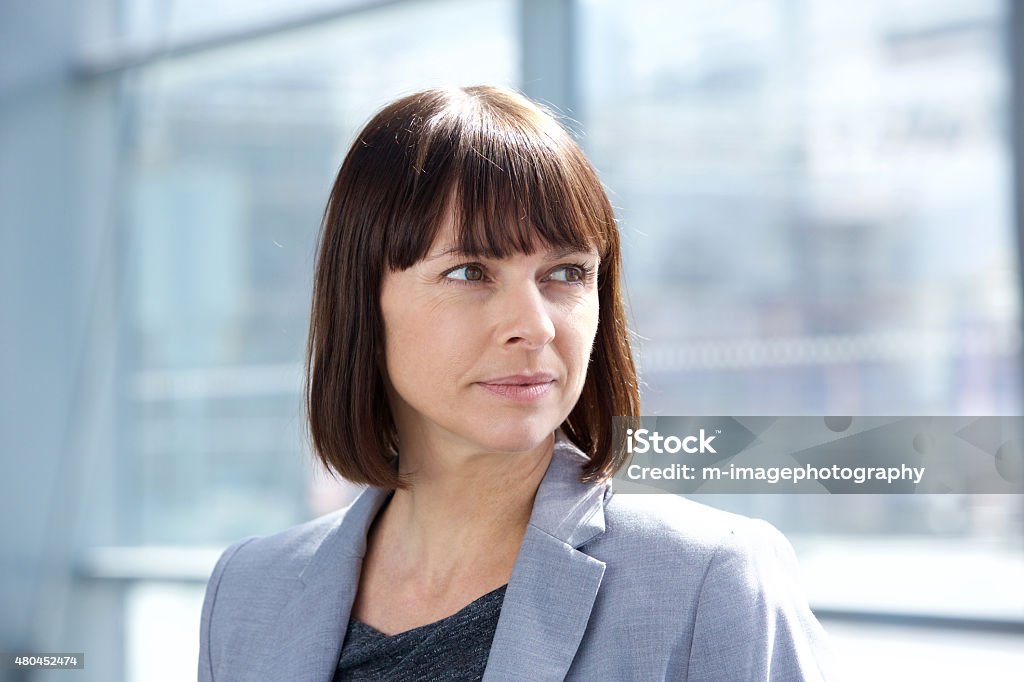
553,586
308,632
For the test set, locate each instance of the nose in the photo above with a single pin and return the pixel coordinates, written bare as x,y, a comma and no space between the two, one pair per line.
526,320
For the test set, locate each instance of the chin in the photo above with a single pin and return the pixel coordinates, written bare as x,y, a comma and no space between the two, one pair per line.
516,435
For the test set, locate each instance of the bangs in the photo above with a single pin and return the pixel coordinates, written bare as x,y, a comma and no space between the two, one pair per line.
511,183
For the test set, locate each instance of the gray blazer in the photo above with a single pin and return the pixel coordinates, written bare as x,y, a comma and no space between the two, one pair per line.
605,587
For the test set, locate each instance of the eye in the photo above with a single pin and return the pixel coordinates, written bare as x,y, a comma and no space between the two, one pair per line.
570,274
466,273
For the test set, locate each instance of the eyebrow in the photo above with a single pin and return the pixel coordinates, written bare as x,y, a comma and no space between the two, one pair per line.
556,254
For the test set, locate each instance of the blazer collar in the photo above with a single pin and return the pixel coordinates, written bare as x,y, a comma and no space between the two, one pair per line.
547,602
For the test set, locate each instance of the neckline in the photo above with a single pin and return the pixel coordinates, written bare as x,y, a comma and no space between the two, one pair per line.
374,631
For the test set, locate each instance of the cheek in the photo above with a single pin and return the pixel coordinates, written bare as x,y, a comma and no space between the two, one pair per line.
426,348
580,330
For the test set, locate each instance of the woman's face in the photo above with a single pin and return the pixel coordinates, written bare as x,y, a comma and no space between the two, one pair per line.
488,354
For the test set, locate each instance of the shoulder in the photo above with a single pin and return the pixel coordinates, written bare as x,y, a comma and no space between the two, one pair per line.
251,582
265,567
736,579
284,553
689,549
668,525
699,549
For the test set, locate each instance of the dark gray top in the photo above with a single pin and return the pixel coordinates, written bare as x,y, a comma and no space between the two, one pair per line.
453,648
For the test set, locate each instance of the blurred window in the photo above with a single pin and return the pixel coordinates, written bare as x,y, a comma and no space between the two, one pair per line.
817,219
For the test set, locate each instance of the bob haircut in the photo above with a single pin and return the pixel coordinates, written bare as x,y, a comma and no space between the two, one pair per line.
512,177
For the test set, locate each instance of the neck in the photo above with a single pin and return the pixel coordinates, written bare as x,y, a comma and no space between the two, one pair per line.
464,514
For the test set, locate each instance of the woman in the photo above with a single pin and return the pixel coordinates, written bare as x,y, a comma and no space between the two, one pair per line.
467,351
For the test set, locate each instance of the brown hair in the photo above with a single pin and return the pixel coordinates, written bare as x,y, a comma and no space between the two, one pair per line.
510,173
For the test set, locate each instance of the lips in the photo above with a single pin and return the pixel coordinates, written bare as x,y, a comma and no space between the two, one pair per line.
522,379
520,388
